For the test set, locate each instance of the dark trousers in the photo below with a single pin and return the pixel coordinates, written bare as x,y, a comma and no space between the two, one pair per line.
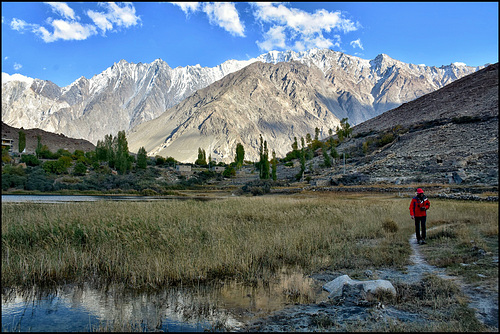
420,225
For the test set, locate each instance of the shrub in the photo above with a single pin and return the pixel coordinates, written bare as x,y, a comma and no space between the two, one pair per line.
30,160
80,169
390,226
38,180
229,172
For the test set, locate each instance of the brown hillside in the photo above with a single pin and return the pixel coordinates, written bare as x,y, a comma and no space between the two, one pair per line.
448,136
53,141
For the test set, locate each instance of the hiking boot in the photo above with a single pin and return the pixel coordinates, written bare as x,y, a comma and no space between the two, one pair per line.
423,242
419,242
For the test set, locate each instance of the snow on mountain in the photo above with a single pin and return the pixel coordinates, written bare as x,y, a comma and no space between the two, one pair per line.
128,94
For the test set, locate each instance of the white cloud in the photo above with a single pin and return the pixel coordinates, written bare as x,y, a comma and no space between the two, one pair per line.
62,9
305,29
188,7
18,24
226,16
69,28
66,31
17,66
275,36
357,44
222,14
114,16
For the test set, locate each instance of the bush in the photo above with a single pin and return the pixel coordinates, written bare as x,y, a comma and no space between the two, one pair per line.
38,180
390,226
30,160
13,181
229,172
80,169
55,167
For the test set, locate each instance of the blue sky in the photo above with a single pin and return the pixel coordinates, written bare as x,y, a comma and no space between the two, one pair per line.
63,41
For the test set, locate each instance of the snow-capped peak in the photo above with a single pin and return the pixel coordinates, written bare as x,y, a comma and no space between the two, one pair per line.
16,77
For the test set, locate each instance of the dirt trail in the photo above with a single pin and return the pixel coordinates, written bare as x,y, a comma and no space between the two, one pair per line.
483,302
323,315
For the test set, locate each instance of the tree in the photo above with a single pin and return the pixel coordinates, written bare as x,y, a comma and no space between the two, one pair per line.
202,157
240,155
326,157
316,134
80,169
22,141
274,164
308,138
123,161
295,146
265,163
142,159
39,146
345,130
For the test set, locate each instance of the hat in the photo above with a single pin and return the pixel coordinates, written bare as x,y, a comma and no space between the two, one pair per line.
420,191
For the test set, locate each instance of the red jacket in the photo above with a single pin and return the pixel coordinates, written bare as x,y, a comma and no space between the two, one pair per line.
418,207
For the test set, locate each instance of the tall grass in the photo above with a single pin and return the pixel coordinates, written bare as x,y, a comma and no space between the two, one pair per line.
153,244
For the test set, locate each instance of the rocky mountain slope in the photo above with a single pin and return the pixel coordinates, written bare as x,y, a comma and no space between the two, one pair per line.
447,136
127,94
278,101
53,141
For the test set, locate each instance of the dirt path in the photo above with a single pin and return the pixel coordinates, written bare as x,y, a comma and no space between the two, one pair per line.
323,315
483,302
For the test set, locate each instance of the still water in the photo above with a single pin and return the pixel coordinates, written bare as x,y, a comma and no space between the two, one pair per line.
228,306
84,198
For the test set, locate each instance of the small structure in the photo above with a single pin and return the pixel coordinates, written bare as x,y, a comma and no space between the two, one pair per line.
6,142
183,169
217,169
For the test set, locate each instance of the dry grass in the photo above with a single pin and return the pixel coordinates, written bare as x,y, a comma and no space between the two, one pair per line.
154,244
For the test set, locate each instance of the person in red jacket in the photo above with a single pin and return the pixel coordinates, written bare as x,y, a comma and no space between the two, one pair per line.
418,211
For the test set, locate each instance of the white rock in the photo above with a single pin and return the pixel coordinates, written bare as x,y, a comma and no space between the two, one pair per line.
336,286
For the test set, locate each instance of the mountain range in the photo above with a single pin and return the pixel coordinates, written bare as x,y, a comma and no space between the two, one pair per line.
172,112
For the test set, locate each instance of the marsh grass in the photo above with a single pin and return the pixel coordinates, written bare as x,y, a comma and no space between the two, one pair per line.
465,241
147,245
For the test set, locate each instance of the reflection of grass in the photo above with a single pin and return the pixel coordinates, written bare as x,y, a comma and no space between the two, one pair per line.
153,244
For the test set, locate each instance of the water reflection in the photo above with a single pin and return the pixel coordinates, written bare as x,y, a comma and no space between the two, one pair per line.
83,308
89,198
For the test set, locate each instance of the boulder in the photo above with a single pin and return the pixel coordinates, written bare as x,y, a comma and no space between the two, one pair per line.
338,285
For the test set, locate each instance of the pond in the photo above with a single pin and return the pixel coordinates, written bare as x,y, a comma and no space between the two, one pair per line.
91,198
218,308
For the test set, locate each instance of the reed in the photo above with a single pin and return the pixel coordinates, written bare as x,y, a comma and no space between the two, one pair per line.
154,244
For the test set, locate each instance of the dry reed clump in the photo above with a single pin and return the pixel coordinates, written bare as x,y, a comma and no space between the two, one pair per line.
153,244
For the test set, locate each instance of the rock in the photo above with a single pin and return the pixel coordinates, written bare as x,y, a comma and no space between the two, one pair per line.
337,286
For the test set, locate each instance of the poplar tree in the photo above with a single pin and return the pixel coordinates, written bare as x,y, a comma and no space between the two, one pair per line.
274,163
22,141
142,159
240,155
123,163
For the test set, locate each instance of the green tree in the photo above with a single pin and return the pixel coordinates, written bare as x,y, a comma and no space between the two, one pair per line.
80,169
308,139
240,155
22,141
345,130
202,157
264,161
295,145
142,159
327,160
316,134
123,158
39,146
229,171
30,160
274,164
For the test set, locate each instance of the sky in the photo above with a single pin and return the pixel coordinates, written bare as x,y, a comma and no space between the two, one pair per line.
62,41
